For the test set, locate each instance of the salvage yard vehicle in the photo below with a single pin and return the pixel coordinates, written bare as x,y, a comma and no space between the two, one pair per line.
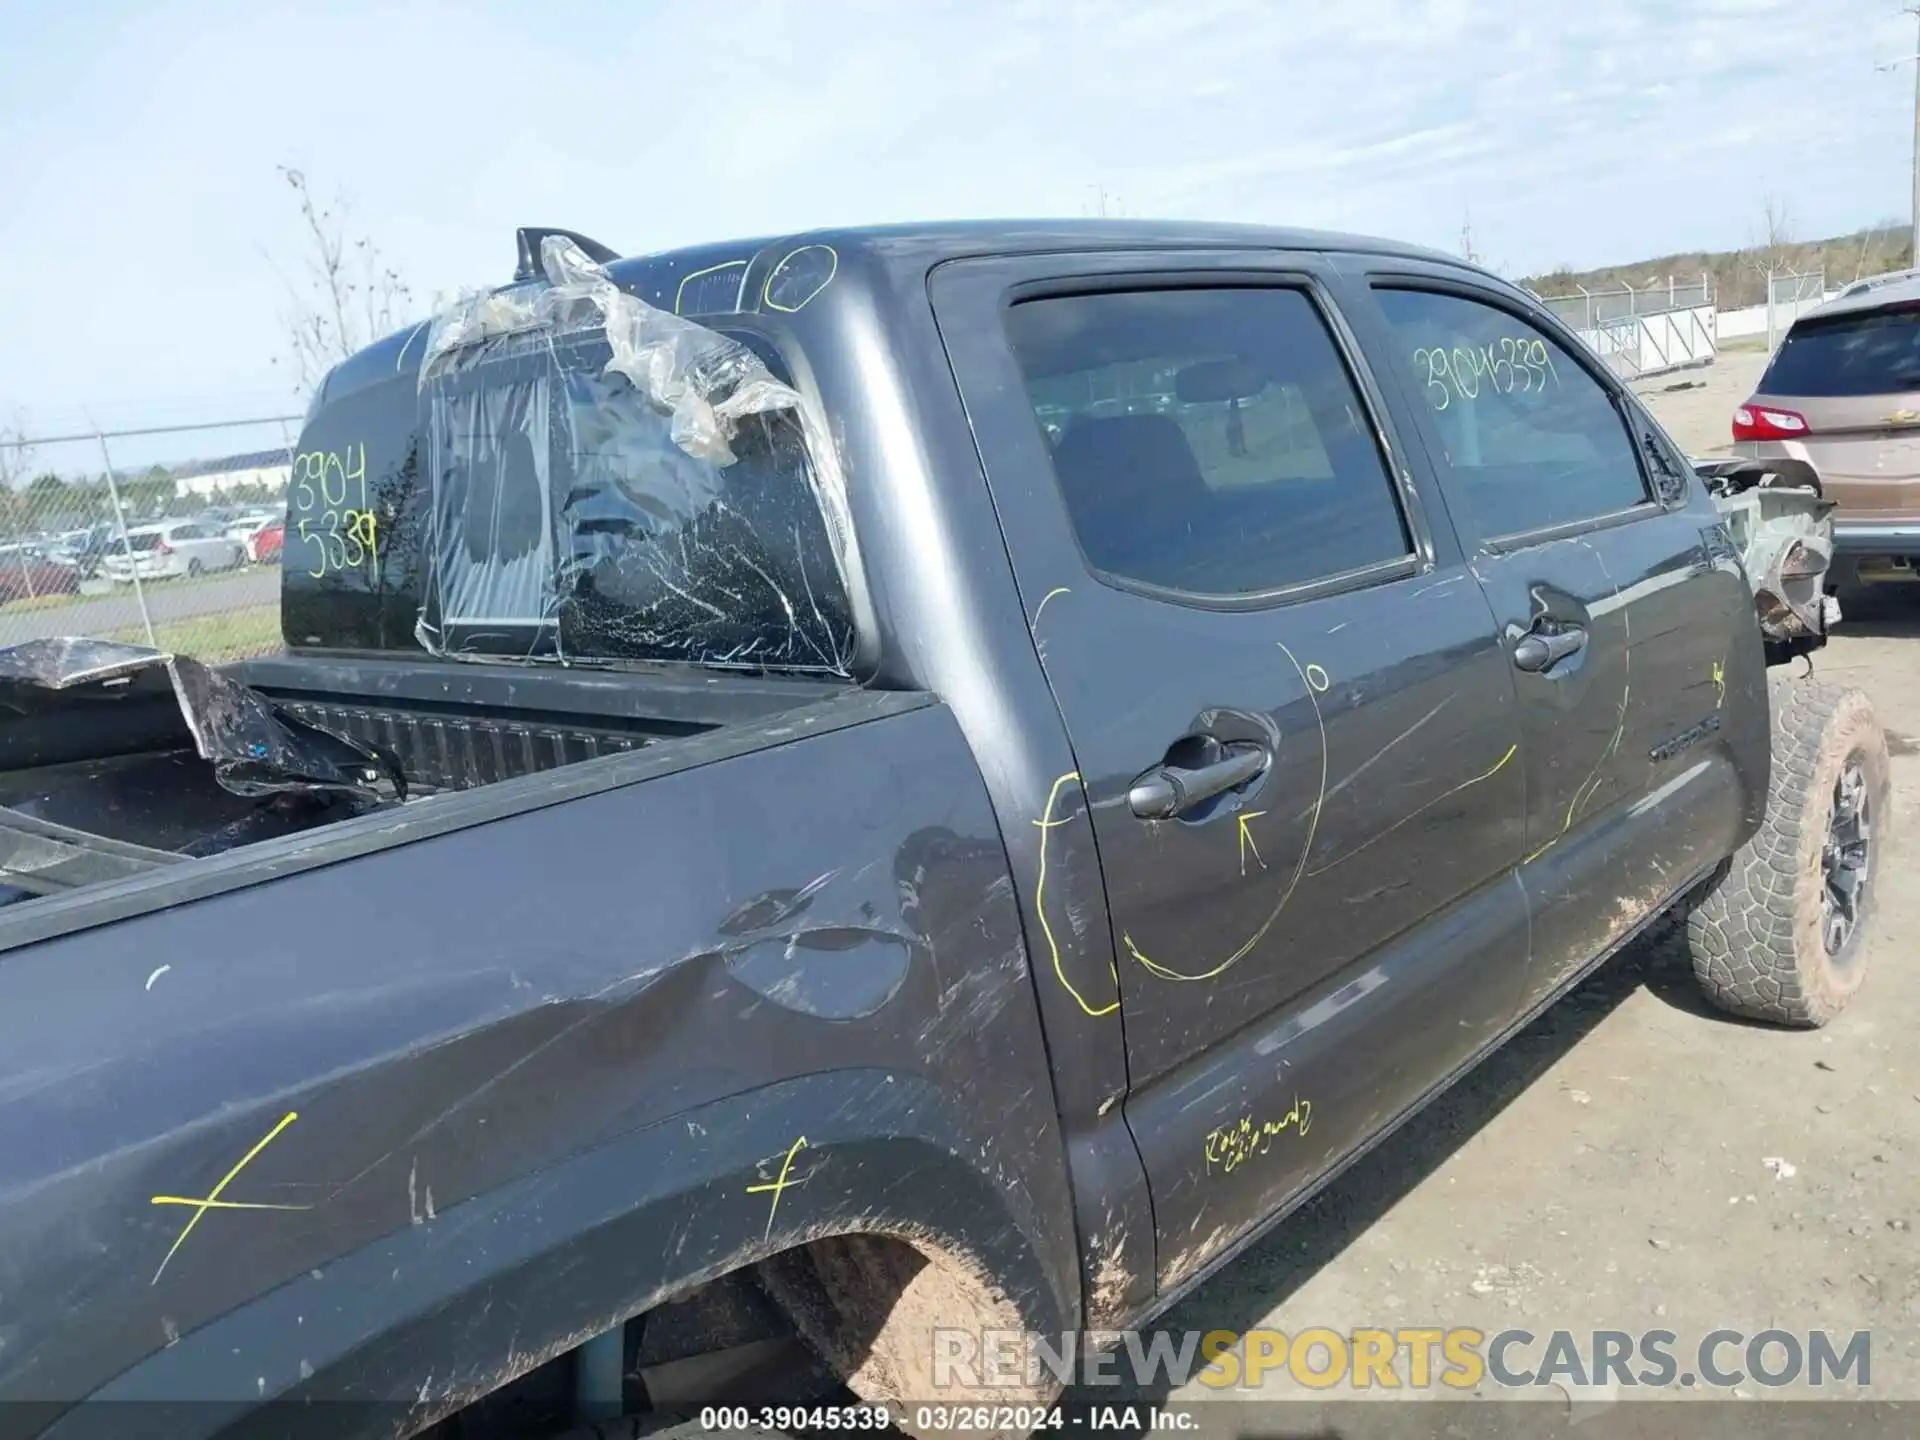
266,543
757,850
1839,408
28,572
171,549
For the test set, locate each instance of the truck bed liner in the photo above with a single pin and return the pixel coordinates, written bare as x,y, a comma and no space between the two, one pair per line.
105,773
460,751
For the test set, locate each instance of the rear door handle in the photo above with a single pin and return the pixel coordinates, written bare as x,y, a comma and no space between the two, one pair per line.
1542,650
1168,790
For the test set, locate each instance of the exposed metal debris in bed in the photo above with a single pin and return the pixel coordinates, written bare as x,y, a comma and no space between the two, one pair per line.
255,748
133,797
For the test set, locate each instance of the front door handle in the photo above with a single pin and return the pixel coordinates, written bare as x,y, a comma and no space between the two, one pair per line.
1542,650
1168,790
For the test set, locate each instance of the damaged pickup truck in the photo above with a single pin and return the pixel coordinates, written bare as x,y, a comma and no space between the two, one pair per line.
829,788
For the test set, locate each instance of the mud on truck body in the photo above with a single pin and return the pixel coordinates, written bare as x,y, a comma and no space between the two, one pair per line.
827,788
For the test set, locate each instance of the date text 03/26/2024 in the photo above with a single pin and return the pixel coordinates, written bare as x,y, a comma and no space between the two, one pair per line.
951,1419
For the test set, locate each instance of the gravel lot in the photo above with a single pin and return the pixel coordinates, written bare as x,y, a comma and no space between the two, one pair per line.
1610,1168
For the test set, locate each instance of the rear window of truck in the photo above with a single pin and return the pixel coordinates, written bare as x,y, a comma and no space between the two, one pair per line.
535,505
1877,353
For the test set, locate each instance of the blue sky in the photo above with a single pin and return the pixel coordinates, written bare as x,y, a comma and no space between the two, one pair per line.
143,219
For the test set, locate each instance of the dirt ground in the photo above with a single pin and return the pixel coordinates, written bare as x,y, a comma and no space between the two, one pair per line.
1610,1168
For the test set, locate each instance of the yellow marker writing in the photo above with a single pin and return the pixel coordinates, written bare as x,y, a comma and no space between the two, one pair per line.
1165,972
1046,822
213,1201
681,289
1246,840
363,528
1415,814
1231,1146
766,287
778,1184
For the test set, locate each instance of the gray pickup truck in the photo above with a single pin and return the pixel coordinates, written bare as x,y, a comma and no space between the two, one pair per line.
895,778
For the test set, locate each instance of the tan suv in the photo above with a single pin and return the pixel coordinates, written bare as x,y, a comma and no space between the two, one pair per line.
1842,398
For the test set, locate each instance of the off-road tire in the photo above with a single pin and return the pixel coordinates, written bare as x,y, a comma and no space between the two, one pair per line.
1757,936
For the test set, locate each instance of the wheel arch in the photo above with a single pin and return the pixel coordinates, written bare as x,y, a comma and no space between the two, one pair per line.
436,1315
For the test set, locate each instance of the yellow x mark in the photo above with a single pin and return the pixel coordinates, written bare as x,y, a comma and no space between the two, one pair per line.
213,1200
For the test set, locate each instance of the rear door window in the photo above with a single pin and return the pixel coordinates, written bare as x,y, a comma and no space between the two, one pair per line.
1872,354
1533,439
1209,442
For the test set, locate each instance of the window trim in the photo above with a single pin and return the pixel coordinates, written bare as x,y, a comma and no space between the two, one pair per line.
1401,488
1501,542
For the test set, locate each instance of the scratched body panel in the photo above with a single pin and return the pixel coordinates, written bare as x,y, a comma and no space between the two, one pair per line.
1389,714
1646,749
444,1018
1618,819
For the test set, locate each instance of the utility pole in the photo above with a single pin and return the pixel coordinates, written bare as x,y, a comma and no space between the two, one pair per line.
1913,261
1915,258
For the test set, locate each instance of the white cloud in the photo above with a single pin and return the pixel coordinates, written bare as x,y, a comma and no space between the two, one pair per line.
138,164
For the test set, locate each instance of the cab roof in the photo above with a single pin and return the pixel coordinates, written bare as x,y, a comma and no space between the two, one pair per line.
661,278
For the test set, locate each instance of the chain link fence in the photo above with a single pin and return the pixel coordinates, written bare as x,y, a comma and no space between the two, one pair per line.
1790,294
183,555
1595,309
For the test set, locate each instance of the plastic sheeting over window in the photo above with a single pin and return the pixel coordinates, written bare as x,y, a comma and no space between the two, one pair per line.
610,481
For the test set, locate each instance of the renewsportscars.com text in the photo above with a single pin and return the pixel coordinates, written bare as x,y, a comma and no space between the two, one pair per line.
1413,1358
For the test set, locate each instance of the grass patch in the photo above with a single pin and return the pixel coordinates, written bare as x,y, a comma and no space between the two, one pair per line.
37,602
230,635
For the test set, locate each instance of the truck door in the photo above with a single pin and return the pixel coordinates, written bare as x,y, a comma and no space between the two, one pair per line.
1295,730
1622,621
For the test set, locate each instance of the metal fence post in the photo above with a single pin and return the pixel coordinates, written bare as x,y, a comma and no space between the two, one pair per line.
126,546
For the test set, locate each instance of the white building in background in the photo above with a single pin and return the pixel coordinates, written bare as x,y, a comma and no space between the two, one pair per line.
210,479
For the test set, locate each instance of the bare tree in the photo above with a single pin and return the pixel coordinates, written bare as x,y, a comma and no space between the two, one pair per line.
16,456
1774,245
16,463
346,295
1883,248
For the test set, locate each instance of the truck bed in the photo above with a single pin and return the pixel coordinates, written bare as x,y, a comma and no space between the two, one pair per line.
104,784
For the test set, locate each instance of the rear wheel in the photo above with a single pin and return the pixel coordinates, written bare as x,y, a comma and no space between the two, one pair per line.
193,569
1779,932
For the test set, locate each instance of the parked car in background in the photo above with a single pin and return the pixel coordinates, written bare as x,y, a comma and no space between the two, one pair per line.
1840,404
171,549
217,517
265,545
244,526
27,571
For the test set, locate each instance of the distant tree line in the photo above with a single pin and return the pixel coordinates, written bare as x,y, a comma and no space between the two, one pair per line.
50,502
1739,277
